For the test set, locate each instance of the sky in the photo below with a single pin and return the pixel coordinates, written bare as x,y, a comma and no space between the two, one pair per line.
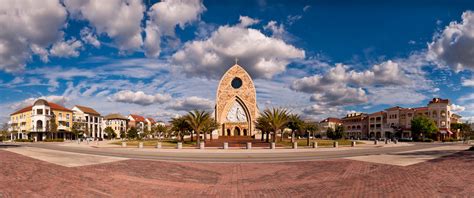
161,59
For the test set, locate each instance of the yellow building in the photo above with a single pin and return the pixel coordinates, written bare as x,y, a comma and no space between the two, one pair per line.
33,122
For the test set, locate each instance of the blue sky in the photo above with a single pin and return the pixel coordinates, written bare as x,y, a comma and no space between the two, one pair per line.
160,59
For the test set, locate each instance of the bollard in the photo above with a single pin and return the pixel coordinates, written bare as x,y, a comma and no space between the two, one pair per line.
179,145
226,145
353,143
124,144
315,144
386,141
376,142
158,145
140,145
249,145
78,142
336,144
87,142
201,145
272,145
295,145
395,141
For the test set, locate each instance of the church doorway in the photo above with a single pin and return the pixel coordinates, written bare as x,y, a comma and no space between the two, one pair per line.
237,131
228,132
245,132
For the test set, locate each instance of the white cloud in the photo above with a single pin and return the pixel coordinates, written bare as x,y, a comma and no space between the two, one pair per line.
69,48
467,82
40,51
88,36
119,19
29,101
454,46
164,17
457,108
278,31
191,103
305,8
390,82
467,98
53,74
262,56
28,25
246,21
139,97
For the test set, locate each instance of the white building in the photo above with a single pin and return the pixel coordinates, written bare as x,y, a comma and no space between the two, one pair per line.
90,120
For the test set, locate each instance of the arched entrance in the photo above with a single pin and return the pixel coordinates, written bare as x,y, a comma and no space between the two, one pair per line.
228,132
39,125
237,131
245,132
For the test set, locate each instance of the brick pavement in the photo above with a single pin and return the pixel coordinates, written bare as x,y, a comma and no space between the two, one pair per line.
452,175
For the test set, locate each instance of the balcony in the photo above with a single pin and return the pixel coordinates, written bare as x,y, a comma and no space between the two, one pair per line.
61,127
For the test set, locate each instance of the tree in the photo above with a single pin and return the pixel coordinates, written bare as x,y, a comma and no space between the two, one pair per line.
339,132
464,129
310,128
53,127
132,133
210,126
160,129
123,134
330,133
196,120
264,126
277,119
110,132
146,132
76,129
422,126
295,124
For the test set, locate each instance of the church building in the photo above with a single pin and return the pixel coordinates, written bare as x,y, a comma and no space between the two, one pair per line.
236,103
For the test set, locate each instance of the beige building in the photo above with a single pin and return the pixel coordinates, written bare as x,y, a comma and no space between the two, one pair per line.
327,123
236,103
387,123
117,122
136,121
355,125
34,122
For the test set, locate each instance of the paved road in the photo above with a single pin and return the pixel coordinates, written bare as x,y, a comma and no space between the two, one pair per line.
204,156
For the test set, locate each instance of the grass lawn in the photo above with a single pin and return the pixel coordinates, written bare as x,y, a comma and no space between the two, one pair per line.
321,143
153,142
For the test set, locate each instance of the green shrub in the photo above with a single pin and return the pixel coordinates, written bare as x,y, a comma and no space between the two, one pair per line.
54,140
23,140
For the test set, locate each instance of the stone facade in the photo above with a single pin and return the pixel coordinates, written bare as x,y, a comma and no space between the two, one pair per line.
236,103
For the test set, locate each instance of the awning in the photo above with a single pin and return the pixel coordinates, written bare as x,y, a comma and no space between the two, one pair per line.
446,132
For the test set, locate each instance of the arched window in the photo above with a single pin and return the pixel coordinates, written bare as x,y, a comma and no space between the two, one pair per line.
443,113
435,114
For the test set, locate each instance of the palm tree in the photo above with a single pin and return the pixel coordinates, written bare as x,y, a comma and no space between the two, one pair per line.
294,123
310,128
277,119
210,126
263,125
197,119
180,125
